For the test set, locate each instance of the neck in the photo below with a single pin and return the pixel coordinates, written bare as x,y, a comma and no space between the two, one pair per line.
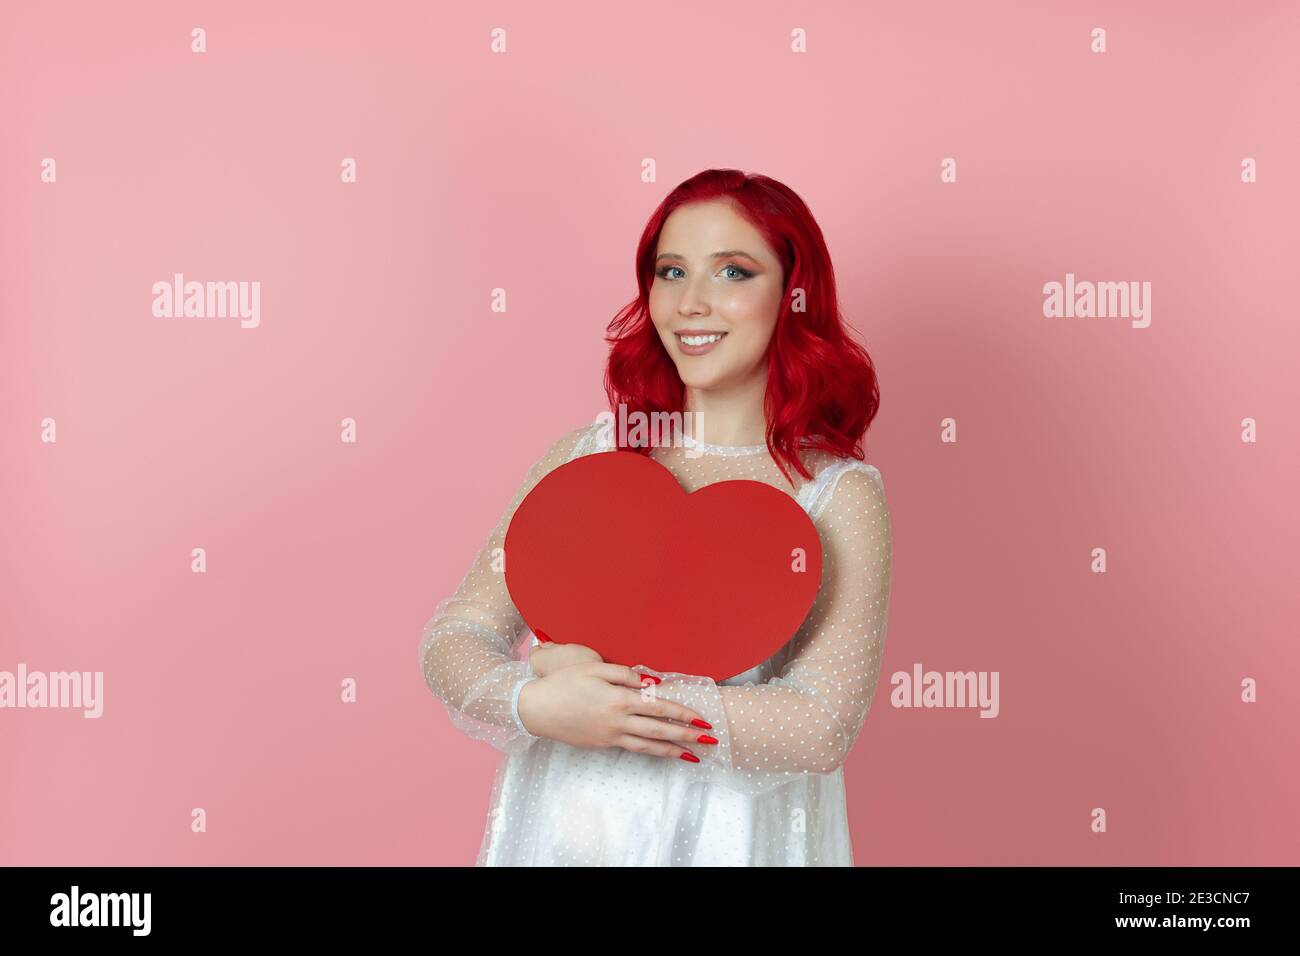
730,416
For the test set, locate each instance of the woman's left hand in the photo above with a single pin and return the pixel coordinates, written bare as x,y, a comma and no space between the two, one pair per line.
551,657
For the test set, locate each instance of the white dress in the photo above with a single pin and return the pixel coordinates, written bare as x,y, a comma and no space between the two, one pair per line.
771,791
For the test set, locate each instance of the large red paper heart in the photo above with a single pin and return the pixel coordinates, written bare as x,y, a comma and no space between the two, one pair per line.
609,551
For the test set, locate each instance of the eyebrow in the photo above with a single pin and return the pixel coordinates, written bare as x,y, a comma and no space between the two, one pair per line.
724,254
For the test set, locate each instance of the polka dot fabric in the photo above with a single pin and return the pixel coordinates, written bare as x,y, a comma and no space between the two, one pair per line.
468,649
771,791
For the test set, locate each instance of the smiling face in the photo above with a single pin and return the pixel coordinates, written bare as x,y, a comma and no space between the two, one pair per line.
716,277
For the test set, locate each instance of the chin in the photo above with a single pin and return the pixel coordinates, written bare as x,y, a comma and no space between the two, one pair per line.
702,381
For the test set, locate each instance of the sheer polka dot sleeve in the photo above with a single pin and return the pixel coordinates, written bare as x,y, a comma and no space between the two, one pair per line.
805,719
469,648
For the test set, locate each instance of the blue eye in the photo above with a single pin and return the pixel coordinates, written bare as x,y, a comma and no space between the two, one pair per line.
744,273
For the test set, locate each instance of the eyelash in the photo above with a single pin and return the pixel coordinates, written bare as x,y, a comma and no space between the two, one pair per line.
744,273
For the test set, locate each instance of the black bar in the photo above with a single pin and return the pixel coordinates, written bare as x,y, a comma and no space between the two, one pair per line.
365,904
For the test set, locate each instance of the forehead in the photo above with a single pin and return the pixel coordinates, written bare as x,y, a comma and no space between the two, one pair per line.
698,230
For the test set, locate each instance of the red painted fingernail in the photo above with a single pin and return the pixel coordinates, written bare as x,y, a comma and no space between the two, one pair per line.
696,722
691,757
651,677
706,739
541,636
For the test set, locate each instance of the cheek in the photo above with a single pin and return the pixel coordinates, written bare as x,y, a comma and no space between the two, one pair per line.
661,305
754,306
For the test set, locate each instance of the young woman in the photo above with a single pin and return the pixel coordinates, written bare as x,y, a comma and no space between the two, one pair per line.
737,322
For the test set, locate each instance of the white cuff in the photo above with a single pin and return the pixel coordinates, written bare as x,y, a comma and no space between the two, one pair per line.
514,704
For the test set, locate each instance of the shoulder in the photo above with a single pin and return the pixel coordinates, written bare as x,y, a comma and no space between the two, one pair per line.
576,442
563,449
595,436
845,487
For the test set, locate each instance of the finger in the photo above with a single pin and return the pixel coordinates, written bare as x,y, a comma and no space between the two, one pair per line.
645,670
666,730
654,748
620,674
649,703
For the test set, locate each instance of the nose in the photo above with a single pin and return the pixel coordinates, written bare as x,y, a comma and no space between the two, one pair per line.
694,300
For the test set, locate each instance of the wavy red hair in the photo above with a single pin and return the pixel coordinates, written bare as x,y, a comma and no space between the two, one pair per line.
822,390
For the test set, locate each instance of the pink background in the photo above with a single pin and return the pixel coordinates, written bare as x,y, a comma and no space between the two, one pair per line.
522,171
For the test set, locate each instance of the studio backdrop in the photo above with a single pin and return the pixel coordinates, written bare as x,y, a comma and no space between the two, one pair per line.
1066,233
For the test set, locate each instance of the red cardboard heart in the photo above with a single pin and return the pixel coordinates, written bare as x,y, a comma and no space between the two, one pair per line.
609,551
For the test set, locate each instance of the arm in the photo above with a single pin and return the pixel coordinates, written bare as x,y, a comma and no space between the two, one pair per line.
468,649
804,720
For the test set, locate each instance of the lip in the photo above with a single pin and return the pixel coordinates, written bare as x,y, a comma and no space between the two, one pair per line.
698,349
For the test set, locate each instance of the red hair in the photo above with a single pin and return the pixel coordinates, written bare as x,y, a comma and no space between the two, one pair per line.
821,385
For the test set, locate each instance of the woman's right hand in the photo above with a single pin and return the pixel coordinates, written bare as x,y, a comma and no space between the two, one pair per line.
596,704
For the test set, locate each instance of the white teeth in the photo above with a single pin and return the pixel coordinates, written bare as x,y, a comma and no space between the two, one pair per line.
699,339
